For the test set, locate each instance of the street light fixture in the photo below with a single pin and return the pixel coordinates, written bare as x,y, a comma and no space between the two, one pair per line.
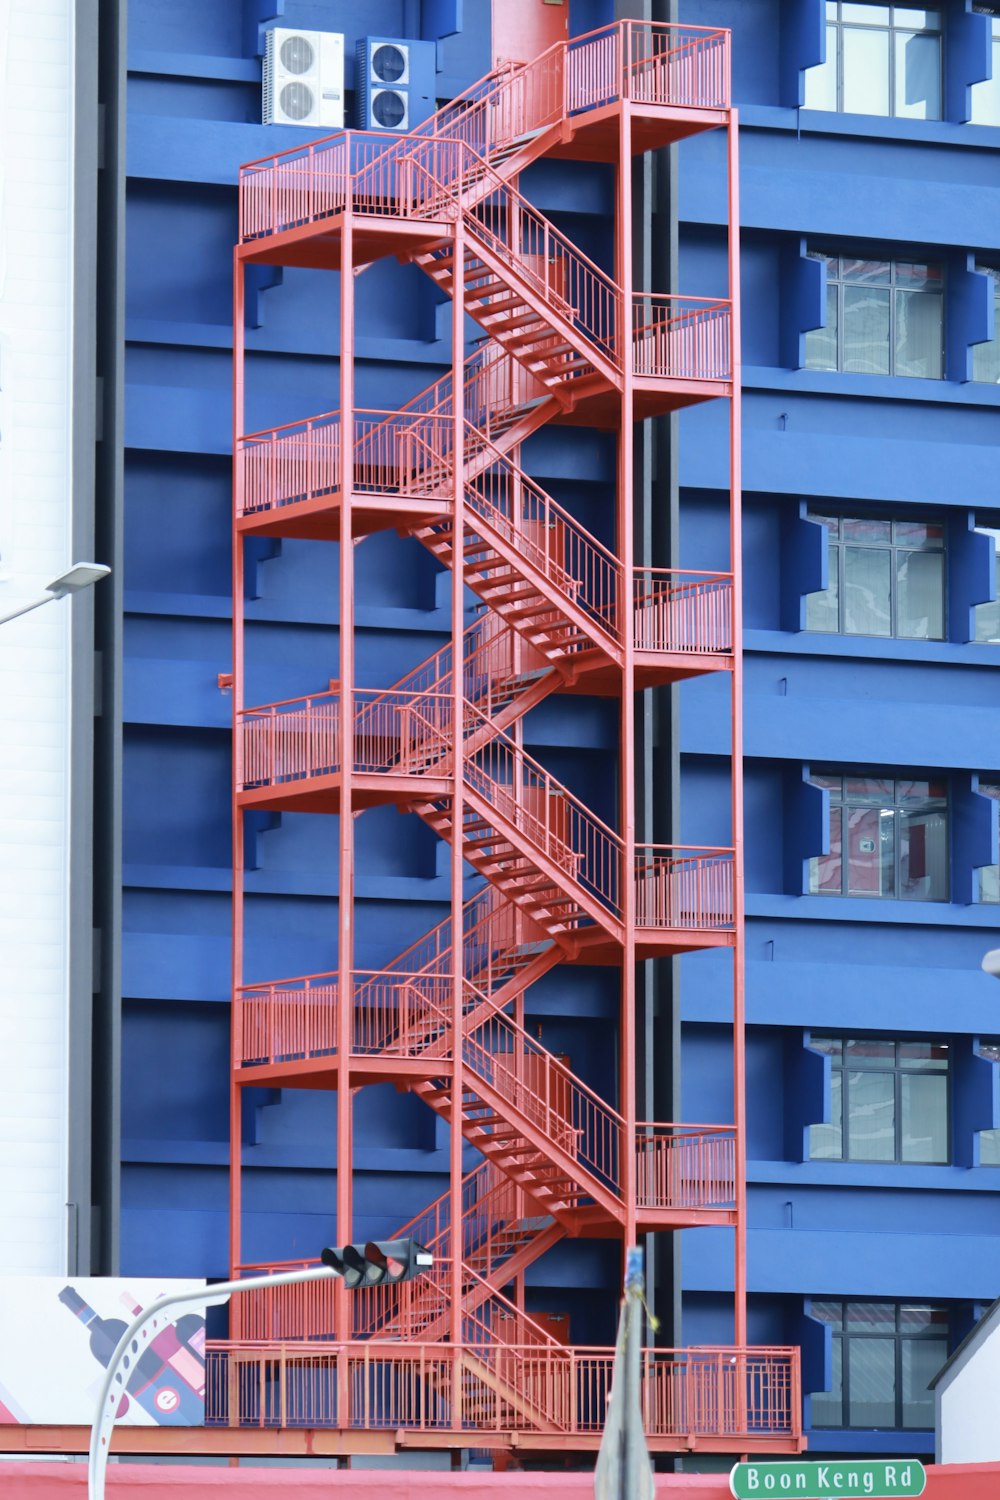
80,576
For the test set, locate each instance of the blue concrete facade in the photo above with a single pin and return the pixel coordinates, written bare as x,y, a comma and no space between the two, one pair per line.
831,441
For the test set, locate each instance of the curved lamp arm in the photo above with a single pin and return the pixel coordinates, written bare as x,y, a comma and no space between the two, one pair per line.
114,1383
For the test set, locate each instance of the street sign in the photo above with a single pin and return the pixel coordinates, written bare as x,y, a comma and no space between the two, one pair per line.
841,1479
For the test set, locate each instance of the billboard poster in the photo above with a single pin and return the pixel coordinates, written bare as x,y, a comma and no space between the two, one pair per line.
57,1336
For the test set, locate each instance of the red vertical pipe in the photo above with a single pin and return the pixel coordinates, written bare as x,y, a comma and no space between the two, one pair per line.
345,903
458,710
236,974
736,563
626,550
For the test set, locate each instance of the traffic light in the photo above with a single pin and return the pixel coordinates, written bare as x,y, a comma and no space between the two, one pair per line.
377,1261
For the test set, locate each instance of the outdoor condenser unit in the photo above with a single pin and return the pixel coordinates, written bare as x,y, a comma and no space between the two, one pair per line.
395,83
304,78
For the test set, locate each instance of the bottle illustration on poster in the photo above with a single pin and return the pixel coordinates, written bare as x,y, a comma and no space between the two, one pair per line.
166,1376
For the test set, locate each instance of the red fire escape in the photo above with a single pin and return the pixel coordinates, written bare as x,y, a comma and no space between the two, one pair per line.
453,1358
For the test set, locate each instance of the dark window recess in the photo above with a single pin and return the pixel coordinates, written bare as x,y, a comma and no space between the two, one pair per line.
889,1101
888,838
884,1355
886,578
883,317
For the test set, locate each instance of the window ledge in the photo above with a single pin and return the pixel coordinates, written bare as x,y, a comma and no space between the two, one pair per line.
887,912
875,128
883,1176
872,648
871,387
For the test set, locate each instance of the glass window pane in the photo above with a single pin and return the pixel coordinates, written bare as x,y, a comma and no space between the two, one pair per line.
914,789
988,615
924,1117
871,1374
866,70
826,1141
866,591
929,534
870,1052
825,871
922,1359
929,1055
870,852
919,275
920,595
923,869
867,272
919,346
989,884
877,790
821,343
871,1117
918,76
986,95
821,81
871,15
828,1406
828,1312
823,607
989,1148
832,1046
866,330
857,529
915,16
871,1317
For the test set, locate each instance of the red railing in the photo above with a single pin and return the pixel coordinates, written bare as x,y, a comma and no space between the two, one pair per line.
681,338
685,1166
288,741
682,67
402,454
677,610
683,887
733,1392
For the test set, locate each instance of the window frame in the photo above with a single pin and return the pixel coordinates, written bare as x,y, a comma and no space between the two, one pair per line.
837,547
843,1334
838,25
900,1068
822,777
837,280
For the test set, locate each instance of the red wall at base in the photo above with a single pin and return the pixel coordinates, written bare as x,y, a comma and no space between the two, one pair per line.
68,1481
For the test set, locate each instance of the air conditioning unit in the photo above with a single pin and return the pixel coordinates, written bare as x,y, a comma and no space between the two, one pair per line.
304,78
395,83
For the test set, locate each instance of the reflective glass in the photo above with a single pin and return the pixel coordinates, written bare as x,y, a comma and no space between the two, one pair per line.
909,789
920,334
875,790
920,595
989,884
986,356
871,1117
870,1052
918,76
923,867
870,852
823,607
918,534
825,871
866,330
832,1046
829,1312
866,69
826,1141
871,1373
828,1406
871,15
924,1117
921,1360
931,1055
988,615
871,1317
821,81
989,1148
867,575
821,343
986,95
867,272
915,16
919,275
858,529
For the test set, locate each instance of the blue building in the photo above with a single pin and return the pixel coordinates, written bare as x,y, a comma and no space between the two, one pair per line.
870,216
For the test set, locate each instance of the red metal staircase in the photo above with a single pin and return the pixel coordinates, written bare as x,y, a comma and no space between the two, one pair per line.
563,613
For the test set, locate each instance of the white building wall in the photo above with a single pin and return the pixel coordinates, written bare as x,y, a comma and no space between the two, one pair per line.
36,237
968,1402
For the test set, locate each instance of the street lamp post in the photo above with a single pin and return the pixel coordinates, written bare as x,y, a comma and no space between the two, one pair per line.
80,576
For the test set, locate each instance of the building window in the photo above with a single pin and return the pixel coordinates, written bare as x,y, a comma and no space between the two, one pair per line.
986,95
886,578
986,356
987,616
989,875
880,60
883,317
888,838
889,1101
989,1140
884,1355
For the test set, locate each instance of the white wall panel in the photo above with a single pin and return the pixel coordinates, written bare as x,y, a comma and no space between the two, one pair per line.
36,228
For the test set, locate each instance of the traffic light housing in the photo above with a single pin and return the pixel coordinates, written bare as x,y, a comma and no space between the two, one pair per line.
377,1262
